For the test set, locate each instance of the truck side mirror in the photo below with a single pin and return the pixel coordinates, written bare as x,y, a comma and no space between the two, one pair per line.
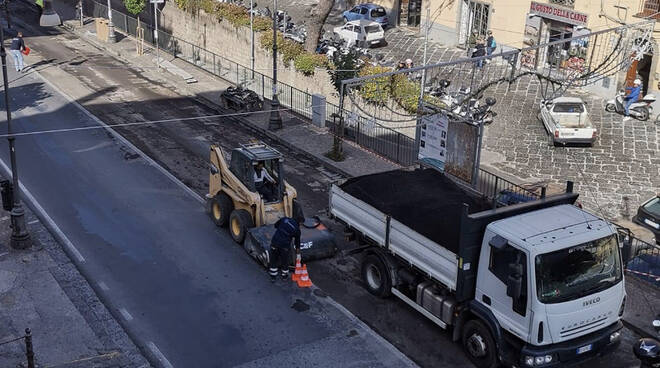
514,281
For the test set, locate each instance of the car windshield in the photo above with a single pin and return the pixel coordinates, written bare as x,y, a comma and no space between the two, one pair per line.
653,206
577,108
372,29
575,272
378,12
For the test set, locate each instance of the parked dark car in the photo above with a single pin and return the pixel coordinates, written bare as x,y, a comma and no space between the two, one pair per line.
372,12
648,215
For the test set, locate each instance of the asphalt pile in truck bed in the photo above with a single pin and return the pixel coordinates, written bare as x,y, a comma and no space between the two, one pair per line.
424,200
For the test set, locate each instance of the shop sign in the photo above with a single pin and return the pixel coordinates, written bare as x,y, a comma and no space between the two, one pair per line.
558,13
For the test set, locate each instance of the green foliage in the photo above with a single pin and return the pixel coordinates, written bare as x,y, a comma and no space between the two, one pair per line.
306,63
236,15
375,91
289,49
135,7
344,67
405,92
260,24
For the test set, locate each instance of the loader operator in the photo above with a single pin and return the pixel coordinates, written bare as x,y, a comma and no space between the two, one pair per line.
287,229
263,182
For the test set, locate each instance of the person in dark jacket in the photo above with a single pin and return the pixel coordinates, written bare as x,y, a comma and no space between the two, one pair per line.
287,229
490,43
479,50
17,46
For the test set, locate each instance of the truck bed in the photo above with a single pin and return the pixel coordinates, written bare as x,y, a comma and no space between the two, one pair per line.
426,201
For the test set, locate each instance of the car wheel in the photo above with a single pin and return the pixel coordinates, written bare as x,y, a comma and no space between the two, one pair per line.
375,276
479,345
345,20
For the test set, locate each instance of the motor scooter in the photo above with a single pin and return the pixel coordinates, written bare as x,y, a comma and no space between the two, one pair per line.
647,349
640,110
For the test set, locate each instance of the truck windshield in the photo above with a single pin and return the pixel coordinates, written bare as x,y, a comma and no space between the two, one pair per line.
572,273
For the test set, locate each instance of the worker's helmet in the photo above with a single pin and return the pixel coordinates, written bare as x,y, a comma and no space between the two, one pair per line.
637,81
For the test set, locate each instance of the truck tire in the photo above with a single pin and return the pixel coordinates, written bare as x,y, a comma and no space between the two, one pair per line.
479,345
239,223
376,276
221,207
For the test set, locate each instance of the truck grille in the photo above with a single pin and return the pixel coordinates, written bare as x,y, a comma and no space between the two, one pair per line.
579,328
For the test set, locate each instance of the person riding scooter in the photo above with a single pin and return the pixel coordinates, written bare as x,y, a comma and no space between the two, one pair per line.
633,95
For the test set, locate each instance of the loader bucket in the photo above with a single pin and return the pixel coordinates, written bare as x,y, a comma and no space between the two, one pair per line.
317,241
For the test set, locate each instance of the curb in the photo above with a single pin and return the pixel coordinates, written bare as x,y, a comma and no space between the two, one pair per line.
215,106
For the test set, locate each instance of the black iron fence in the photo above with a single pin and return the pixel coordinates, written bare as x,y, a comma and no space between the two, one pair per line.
29,350
642,259
375,137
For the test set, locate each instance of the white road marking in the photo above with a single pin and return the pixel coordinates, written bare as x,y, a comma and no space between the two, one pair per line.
96,146
103,286
124,313
41,212
154,349
33,222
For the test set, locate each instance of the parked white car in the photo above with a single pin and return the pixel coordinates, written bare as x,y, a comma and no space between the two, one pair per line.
362,33
567,121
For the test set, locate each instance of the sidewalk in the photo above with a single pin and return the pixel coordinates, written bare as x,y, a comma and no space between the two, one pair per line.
304,138
42,290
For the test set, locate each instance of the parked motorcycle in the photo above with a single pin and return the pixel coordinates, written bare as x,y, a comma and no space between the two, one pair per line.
639,110
647,349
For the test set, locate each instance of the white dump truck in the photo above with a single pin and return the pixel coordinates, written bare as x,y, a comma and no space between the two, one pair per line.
534,284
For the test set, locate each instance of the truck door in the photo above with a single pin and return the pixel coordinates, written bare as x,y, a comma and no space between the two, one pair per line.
499,266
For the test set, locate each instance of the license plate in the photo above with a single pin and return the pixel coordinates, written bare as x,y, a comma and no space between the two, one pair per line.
584,349
567,134
649,222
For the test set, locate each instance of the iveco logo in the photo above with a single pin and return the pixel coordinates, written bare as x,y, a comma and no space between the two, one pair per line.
590,301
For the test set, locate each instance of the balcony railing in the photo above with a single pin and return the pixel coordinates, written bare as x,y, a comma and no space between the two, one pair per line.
649,9
566,3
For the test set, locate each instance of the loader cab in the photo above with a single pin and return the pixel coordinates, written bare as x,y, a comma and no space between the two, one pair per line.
244,161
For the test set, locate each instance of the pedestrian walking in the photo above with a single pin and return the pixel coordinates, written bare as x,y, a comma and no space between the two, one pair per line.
633,94
479,51
287,229
490,43
472,43
16,49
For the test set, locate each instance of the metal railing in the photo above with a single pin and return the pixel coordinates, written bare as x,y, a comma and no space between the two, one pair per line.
501,191
642,259
378,138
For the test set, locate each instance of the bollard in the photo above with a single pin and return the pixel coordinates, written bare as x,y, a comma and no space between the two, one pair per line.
28,348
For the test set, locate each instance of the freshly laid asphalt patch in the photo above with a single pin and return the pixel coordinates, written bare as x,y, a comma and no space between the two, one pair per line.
424,200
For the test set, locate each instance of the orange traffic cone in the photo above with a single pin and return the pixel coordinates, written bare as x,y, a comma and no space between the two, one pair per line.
299,270
304,281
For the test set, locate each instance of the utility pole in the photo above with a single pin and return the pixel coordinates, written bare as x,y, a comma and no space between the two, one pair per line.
252,36
427,27
20,238
80,5
275,121
155,3
111,27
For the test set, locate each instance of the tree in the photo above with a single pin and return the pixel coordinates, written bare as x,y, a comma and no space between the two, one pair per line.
315,26
135,7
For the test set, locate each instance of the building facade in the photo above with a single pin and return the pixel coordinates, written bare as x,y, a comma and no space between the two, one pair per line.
523,23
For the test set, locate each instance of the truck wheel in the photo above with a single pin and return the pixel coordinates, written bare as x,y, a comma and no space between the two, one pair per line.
239,223
479,345
221,207
297,212
375,276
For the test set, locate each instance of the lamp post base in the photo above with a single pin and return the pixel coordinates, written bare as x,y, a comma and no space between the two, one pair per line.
275,120
20,238
111,33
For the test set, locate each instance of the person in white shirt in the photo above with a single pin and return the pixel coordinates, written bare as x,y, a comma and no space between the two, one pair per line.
263,182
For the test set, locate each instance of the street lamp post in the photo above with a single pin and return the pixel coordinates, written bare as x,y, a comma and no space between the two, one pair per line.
252,36
111,27
20,238
275,121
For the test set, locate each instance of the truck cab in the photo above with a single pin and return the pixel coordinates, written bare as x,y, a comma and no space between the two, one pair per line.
551,282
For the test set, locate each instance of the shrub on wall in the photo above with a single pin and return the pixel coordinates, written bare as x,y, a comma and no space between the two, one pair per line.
288,48
306,63
375,91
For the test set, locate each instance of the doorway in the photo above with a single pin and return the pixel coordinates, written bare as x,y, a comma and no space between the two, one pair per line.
558,52
410,13
474,18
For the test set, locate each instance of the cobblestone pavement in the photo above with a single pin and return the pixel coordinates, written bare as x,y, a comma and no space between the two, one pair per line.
614,176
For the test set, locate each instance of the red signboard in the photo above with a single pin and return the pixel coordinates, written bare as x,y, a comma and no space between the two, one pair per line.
558,13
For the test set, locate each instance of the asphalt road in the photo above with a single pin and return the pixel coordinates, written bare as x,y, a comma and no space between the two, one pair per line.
184,289
118,93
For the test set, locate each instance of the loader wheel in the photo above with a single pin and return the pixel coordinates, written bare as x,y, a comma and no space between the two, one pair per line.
297,210
221,207
239,223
